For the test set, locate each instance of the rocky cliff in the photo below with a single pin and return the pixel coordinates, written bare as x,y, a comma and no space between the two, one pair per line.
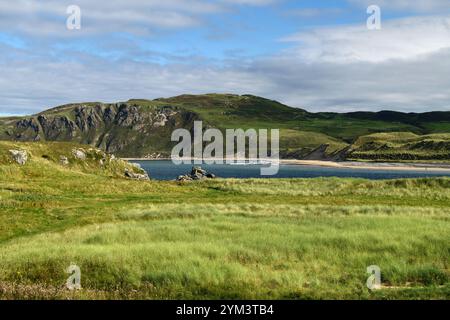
126,129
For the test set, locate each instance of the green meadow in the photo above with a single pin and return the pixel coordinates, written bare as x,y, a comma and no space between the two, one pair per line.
215,239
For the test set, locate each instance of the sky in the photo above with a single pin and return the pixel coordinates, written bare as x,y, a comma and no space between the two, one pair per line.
318,55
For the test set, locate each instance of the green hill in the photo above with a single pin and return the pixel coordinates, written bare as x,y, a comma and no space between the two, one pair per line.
142,128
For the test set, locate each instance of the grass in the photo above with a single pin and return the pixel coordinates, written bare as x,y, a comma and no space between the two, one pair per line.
224,238
397,146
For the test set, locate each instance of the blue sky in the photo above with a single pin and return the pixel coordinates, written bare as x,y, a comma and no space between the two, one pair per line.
318,55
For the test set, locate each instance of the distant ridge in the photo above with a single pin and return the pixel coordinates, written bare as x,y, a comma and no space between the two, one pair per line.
142,128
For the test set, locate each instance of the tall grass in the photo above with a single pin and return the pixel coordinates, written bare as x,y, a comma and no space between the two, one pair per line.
254,238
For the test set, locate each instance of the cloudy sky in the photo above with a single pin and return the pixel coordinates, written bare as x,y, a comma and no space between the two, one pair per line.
317,55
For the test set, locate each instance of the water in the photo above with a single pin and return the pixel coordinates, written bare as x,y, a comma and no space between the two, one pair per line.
166,170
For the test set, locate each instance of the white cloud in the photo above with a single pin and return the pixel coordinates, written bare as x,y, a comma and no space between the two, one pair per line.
408,38
424,6
48,17
405,85
405,66
408,85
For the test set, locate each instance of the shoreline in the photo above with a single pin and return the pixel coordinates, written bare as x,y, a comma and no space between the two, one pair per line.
399,166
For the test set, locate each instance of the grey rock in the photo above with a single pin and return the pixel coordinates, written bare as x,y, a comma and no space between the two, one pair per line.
197,176
160,120
19,156
79,154
197,173
184,178
56,127
63,160
136,176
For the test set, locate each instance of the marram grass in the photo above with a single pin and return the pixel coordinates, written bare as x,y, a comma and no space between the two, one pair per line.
224,239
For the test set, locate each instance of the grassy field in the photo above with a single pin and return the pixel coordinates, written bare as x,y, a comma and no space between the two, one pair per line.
257,238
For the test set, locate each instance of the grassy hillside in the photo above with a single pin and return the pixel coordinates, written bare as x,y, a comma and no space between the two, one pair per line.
48,155
163,240
142,128
397,146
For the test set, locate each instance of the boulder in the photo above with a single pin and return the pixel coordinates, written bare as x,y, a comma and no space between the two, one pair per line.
19,156
63,160
197,173
136,176
79,154
184,178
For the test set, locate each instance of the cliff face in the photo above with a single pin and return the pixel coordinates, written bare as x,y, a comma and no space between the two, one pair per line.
126,129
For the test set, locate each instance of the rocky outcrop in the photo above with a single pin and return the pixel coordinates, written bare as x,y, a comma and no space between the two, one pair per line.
143,176
26,130
19,156
128,129
57,127
197,173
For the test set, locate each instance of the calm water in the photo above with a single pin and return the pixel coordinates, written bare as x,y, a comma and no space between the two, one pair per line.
166,170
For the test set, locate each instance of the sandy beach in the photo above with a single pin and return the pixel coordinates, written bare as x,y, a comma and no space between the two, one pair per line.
372,165
348,164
